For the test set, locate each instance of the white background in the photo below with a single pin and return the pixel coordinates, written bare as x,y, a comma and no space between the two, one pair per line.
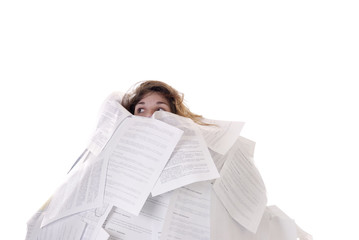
289,69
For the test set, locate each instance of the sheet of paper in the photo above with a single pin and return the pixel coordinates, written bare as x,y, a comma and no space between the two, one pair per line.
188,216
82,190
274,225
94,219
223,226
84,155
112,113
281,227
221,135
84,225
146,226
240,187
218,159
33,226
138,152
69,228
303,235
190,161
102,235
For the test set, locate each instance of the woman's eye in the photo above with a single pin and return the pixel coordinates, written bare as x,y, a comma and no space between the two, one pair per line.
140,110
160,109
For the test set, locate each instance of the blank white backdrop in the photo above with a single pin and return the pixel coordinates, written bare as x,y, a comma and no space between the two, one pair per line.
287,68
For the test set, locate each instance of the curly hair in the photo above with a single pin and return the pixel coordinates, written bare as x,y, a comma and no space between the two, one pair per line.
175,98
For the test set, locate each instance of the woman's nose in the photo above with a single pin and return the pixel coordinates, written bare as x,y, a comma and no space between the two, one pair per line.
149,113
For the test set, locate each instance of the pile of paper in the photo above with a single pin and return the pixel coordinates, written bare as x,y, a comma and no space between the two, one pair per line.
162,178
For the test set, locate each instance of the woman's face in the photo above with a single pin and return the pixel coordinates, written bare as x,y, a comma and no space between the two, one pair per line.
151,103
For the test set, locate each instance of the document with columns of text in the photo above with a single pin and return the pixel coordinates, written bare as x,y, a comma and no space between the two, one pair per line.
146,226
137,153
188,215
240,187
191,160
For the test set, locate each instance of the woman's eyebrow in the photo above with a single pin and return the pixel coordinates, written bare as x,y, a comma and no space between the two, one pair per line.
159,102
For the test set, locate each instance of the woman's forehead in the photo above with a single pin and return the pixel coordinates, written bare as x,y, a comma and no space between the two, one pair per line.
155,97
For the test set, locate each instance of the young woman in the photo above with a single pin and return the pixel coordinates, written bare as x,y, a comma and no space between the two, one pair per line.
150,96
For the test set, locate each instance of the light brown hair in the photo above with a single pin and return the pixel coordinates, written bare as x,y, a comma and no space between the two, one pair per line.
175,98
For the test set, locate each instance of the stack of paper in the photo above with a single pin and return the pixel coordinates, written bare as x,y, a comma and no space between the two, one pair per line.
162,178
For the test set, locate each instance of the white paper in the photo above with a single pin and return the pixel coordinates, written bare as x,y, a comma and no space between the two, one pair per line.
190,161
112,113
188,216
221,135
146,226
33,226
84,155
68,228
85,225
281,227
218,159
82,190
241,188
303,235
102,235
223,226
94,219
137,154
274,225
34,223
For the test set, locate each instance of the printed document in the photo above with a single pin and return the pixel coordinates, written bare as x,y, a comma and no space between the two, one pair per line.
190,161
188,216
223,226
33,226
274,225
94,220
280,225
69,228
220,135
218,159
146,226
137,153
112,113
240,187
82,190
